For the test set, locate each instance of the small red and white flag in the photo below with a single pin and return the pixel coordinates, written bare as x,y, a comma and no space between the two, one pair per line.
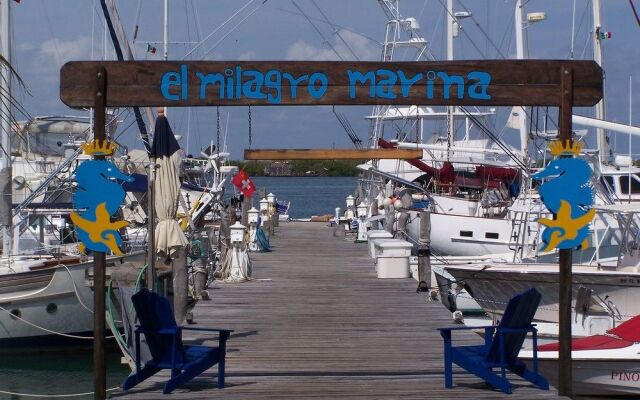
243,182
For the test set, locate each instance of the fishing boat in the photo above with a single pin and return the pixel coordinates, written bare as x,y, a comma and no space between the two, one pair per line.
611,282
602,365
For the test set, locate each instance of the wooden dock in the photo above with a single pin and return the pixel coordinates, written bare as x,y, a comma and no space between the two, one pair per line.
316,323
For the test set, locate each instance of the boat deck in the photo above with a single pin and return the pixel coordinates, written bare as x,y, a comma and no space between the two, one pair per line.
316,323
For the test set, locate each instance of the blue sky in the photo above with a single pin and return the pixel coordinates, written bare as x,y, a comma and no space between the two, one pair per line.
48,33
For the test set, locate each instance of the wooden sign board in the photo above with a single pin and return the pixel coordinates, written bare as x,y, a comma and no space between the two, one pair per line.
241,83
331,154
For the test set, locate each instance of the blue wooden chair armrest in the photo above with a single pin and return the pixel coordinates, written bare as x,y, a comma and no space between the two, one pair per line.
189,328
165,331
224,335
446,332
531,328
461,328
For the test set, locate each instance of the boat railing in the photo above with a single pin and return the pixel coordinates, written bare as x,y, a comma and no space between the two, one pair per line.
17,210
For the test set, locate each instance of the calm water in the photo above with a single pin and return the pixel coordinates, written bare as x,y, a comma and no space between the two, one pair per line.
65,371
70,371
309,196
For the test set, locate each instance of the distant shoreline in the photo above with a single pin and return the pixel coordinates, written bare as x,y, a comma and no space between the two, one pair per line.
300,168
307,176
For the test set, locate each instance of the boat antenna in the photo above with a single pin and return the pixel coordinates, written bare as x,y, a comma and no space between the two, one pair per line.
250,133
218,130
116,45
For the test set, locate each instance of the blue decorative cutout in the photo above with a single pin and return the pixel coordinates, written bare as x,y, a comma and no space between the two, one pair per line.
570,197
99,197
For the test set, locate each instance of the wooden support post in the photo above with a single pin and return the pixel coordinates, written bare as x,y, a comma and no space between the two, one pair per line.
424,252
151,225
565,279
99,258
231,214
247,202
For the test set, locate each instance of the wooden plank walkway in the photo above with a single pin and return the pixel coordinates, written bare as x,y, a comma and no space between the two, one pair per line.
316,323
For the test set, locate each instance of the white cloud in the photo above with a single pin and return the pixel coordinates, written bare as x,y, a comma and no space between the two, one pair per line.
25,47
60,52
50,55
247,56
362,47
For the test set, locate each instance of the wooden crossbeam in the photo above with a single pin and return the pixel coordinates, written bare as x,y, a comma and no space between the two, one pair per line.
331,154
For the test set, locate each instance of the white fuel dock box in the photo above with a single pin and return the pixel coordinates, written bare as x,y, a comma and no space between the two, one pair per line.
392,258
374,235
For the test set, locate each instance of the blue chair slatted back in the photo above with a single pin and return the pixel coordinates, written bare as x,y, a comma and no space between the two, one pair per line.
154,313
518,314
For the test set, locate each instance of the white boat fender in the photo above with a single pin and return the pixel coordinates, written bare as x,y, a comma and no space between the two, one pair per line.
458,317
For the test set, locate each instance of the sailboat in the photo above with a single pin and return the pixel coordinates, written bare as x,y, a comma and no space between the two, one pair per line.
44,291
477,191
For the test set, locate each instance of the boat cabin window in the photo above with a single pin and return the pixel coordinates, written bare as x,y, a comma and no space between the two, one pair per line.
607,181
491,235
635,184
466,233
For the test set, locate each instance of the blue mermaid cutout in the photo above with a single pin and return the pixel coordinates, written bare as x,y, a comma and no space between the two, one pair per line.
568,196
98,196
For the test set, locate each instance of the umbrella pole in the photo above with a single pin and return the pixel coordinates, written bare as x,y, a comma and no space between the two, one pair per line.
151,225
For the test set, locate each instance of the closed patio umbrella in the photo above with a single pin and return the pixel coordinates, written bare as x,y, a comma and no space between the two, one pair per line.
170,241
165,148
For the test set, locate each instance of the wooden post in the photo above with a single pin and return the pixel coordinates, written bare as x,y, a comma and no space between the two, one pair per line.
231,214
99,258
389,218
151,225
565,261
247,203
424,252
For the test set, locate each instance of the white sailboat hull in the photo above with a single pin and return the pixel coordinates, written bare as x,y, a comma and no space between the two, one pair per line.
50,302
492,285
447,231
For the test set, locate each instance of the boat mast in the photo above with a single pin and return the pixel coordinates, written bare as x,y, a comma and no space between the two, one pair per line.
396,25
390,8
6,214
603,145
522,115
450,21
165,39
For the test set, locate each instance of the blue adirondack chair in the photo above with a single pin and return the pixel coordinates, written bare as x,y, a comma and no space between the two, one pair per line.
501,348
164,338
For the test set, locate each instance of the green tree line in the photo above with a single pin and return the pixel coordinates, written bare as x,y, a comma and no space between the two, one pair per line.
302,167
